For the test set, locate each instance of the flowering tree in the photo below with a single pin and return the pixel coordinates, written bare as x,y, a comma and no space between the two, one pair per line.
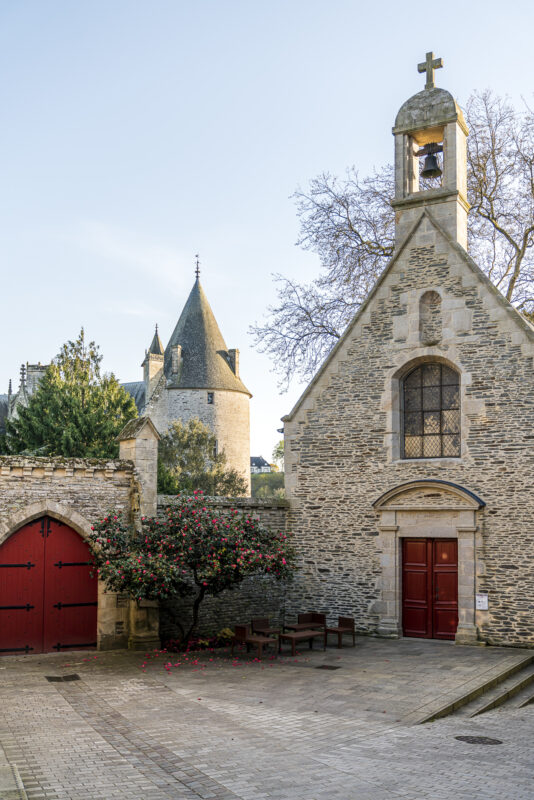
191,550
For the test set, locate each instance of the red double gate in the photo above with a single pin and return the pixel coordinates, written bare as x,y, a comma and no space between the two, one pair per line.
48,596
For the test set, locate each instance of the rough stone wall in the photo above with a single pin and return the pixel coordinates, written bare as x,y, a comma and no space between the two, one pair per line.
255,597
76,491
89,487
228,417
343,441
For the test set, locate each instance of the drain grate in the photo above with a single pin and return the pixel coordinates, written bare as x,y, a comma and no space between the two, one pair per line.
327,666
478,740
59,678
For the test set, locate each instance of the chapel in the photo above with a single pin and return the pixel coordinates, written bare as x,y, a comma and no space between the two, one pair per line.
408,458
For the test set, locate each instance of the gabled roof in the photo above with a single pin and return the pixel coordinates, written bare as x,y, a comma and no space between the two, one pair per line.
205,359
519,318
133,428
258,461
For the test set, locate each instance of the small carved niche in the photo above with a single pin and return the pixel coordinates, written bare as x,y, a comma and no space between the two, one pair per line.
430,318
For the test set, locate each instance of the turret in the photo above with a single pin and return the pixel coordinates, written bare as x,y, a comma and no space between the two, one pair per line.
153,365
203,380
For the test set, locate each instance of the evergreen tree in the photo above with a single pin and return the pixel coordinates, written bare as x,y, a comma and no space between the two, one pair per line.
76,411
189,461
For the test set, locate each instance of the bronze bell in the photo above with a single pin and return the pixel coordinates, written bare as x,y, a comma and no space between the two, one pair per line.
431,167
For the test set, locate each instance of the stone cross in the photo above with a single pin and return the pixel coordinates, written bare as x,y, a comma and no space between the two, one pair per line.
428,66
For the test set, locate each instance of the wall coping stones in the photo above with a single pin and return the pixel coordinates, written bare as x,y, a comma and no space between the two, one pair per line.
229,502
47,465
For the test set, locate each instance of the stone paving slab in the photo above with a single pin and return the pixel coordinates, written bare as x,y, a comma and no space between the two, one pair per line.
272,730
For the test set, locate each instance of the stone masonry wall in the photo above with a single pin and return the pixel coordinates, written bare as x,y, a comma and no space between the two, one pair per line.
228,417
343,441
89,487
255,597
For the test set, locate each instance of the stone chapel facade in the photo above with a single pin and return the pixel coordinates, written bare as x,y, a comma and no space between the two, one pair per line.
408,459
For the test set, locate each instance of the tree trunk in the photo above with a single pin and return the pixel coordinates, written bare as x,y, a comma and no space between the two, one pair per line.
196,606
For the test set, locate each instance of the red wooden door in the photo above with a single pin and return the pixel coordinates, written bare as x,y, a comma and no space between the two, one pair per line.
430,588
21,591
48,598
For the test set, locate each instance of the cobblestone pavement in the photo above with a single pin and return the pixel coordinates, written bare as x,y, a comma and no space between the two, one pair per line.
221,729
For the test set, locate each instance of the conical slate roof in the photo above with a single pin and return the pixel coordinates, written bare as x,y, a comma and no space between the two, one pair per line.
156,348
205,359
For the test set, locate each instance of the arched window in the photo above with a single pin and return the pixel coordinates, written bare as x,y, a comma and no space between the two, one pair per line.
431,412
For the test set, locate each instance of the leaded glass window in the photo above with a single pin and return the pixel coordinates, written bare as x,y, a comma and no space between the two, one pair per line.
431,412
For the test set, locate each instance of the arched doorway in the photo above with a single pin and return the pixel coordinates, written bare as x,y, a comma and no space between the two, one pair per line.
428,560
48,594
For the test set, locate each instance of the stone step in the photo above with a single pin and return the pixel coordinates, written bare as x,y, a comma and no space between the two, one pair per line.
502,693
474,690
524,698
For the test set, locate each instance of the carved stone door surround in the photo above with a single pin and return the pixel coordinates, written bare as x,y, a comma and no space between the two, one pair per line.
427,508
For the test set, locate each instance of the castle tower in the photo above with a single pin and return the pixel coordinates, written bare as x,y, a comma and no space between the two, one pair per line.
429,124
198,376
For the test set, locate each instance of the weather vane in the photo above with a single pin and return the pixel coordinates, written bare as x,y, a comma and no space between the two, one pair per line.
197,268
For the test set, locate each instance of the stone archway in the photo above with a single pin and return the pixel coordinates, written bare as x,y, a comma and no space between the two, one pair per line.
46,508
112,618
427,508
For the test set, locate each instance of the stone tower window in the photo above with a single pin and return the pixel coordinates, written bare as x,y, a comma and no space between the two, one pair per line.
431,412
211,398
430,318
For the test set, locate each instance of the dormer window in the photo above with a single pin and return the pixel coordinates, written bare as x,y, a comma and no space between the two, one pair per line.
211,398
431,412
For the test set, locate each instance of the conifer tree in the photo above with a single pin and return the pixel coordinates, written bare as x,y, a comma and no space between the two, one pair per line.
76,411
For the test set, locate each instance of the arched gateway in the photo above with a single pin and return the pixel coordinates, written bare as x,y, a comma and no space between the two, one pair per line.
48,592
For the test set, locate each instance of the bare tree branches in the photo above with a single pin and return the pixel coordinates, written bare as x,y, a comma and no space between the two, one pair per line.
349,223
500,159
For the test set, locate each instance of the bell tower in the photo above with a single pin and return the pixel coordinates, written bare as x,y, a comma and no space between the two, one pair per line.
431,159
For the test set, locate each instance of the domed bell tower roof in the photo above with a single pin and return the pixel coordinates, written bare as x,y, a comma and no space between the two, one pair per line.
431,159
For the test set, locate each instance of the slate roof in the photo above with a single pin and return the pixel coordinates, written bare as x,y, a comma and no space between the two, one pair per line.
205,359
258,461
156,348
137,391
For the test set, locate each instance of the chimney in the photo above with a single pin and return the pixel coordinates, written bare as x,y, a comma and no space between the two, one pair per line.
176,359
233,354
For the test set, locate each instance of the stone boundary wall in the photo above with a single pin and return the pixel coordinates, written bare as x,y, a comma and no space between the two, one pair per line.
262,596
88,487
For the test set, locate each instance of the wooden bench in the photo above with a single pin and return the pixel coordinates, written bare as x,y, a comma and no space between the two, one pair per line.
262,626
308,621
300,636
345,625
242,635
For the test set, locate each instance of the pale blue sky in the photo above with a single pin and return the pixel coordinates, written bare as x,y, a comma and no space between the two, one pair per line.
135,134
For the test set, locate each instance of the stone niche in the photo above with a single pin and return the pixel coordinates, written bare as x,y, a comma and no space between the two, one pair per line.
427,509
